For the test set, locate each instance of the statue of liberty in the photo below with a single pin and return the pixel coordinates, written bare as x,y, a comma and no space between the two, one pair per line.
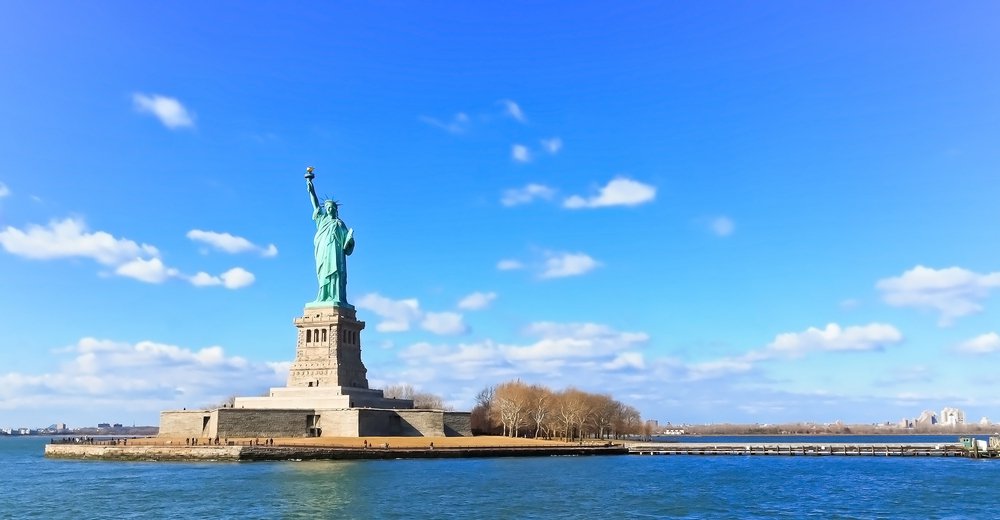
333,242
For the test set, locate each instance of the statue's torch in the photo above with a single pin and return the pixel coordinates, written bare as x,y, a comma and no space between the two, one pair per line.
309,173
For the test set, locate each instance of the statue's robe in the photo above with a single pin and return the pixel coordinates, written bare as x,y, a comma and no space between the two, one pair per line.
333,243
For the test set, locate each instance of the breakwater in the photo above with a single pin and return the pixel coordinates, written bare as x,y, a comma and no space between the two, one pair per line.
807,449
252,453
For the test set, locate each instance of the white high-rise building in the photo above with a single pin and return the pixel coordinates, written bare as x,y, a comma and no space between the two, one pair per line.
952,417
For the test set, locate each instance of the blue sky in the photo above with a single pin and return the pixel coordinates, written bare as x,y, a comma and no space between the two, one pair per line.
721,212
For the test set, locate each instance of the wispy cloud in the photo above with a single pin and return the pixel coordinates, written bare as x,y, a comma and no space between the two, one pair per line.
553,264
168,110
554,348
509,265
402,315
561,265
4,190
444,323
458,124
513,110
620,191
952,292
520,153
553,145
849,304
832,338
230,243
722,226
529,193
983,344
477,301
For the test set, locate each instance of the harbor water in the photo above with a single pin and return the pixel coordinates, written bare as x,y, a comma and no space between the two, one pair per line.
627,486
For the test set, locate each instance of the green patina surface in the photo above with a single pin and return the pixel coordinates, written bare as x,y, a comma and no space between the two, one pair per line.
333,243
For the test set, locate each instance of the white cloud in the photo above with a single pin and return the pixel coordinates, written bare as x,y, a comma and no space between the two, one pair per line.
520,153
69,238
230,243
444,323
168,110
513,110
626,360
4,190
559,265
149,271
574,340
509,265
552,145
527,194
620,191
143,377
402,315
477,301
832,338
982,344
397,315
458,124
557,349
718,368
235,278
952,292
722,226
203,279
874,336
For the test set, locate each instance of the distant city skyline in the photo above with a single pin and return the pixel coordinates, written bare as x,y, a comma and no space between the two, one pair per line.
715,213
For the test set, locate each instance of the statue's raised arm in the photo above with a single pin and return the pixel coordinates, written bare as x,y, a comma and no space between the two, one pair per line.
312,189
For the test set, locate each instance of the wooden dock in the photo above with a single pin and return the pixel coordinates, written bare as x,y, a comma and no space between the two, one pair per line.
808,450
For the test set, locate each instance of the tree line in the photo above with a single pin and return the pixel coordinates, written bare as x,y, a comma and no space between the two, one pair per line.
517,409
420,399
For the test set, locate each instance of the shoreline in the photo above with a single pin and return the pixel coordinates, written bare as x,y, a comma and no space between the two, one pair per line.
296,453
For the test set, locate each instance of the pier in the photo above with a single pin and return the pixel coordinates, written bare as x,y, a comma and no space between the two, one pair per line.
812,450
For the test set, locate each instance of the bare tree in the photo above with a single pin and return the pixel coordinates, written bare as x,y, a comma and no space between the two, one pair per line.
512,399
428,400
420,399
539,406
400,391
536,410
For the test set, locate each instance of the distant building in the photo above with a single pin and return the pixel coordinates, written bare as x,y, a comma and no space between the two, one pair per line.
103,425
59,427
985,421
906,423
927,418
952,417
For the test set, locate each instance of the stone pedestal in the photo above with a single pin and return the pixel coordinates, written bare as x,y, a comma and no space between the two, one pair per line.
322,398
327,394
328,349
